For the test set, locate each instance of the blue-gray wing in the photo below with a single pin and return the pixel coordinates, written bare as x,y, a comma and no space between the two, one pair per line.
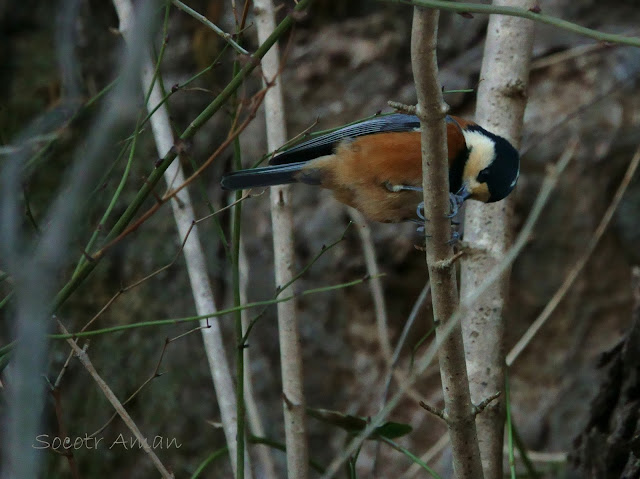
325,144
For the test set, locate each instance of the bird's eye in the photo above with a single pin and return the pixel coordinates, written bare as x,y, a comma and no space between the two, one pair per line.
483,176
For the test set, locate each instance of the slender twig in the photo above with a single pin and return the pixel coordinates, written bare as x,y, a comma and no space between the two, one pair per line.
201,18
132,150
431,111
5,300
220,312
377,291
115,197
236,224
155,374
147,277
284,257
28,212
63,432
481,406
579,265
434,410
417,306
111,397
295,278
461,7
535,139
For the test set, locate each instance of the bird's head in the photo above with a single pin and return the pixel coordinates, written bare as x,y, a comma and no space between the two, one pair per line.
492,167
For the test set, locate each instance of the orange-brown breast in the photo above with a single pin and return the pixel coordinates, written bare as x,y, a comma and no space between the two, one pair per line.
360,169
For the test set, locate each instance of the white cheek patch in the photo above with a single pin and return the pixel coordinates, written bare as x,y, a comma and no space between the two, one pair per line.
481,152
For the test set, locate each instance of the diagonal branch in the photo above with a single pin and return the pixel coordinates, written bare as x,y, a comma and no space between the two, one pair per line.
530,14
117,405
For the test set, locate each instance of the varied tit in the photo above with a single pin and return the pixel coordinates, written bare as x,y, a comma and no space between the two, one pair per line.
376,166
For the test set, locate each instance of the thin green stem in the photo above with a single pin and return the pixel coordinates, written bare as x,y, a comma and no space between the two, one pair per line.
222,312
6,299
208,460
411,456
236,218
7,348
417,346
322,251
28,212
212,211
125,176
191,130
181,86
460,7
531,470
201,18
114,199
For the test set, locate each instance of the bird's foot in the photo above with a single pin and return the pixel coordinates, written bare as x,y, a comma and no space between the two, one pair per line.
455,202
421,219
420,211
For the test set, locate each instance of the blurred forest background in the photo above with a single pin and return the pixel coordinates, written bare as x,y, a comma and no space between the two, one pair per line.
343,61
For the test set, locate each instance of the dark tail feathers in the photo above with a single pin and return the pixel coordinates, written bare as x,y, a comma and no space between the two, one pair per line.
265,176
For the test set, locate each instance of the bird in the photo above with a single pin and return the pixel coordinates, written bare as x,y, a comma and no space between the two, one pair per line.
375,166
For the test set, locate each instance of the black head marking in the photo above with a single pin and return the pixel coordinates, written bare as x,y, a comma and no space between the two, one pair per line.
502,174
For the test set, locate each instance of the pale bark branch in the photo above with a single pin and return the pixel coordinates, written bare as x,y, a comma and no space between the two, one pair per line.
192,250
434,410
431,110
283,245
377,291
500,107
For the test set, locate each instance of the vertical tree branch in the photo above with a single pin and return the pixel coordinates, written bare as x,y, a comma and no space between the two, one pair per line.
500,108
194,255
282,221
431,110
